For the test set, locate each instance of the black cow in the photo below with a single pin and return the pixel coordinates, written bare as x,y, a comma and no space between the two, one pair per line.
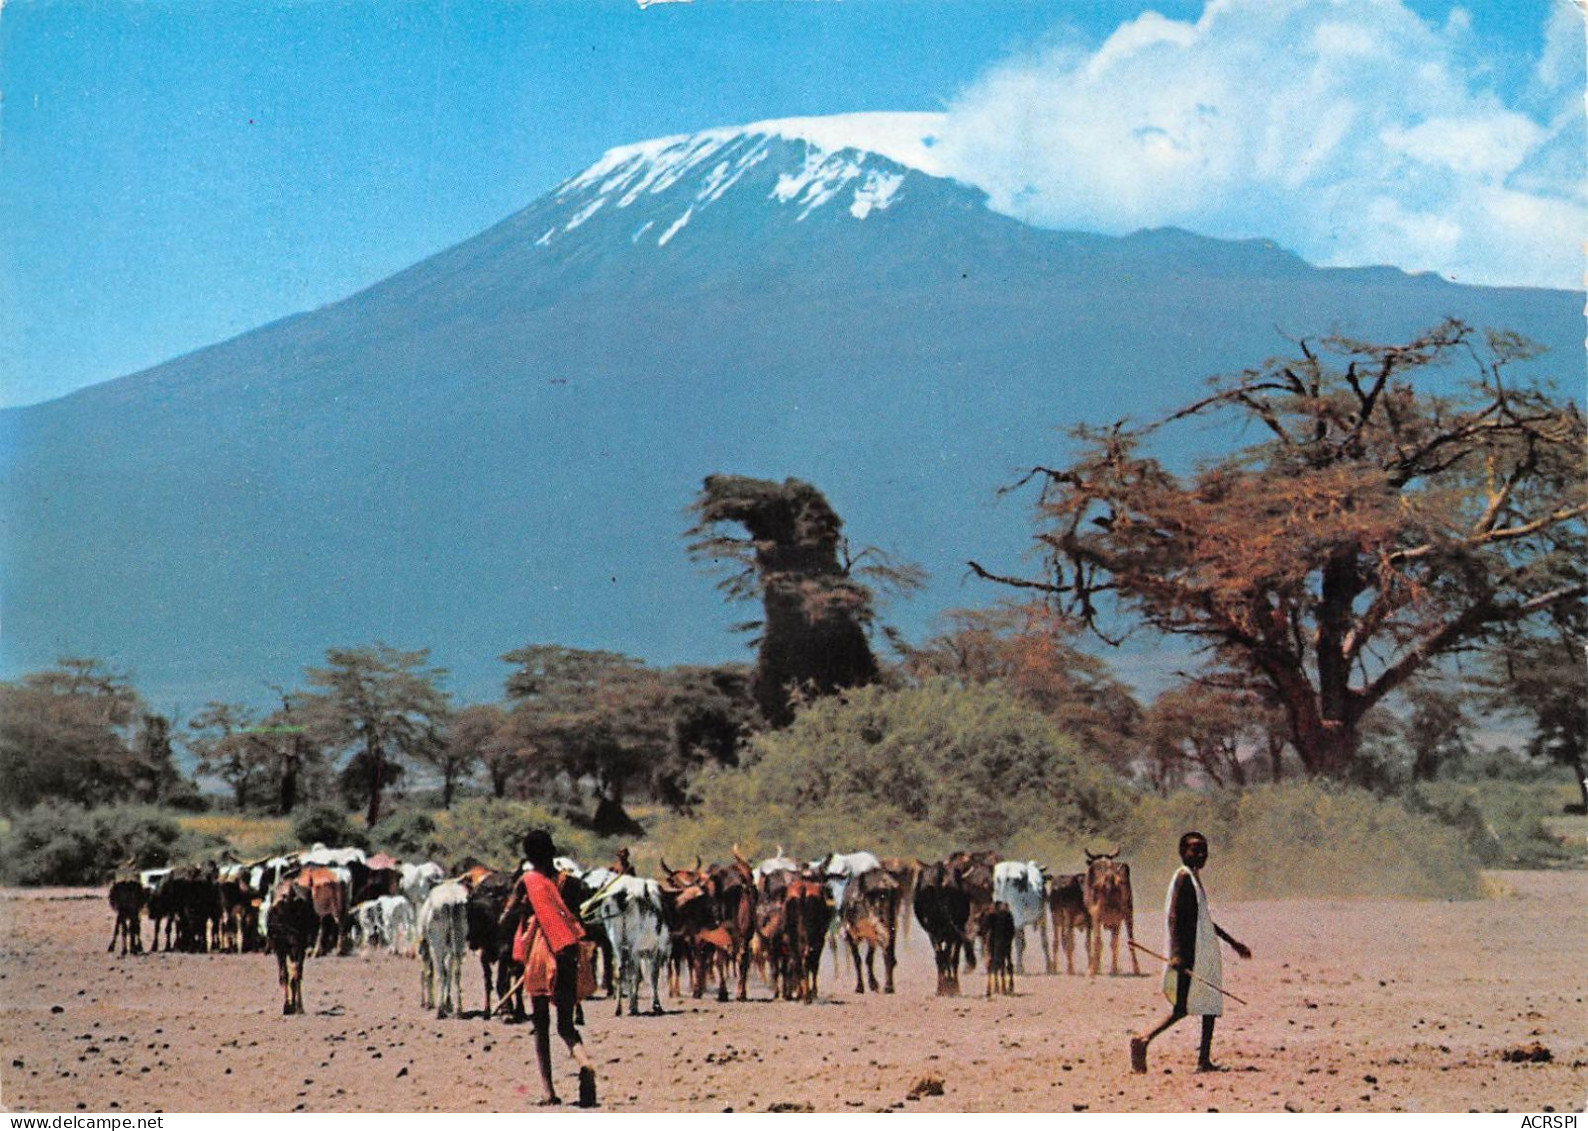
126,900
942,907
870,915
492,938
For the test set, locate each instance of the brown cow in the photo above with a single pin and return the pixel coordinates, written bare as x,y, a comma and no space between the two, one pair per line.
903,872
329,896
975,872
807,912
733,891
492,938
771,929
1110,906
696,932
1067,906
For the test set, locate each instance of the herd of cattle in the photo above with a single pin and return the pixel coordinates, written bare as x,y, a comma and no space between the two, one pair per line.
709,922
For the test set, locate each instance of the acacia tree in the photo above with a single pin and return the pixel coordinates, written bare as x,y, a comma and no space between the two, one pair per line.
380,702
1032,653
1220,731
589,713
67,733
1381,523
815,596
1544,677
225,740
481,735
609,717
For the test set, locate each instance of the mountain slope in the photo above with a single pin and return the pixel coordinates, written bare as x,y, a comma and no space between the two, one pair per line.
496,445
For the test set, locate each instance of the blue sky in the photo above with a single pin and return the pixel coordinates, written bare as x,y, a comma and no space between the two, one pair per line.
174,172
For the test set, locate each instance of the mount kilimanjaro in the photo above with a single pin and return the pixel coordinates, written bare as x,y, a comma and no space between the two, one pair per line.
497,445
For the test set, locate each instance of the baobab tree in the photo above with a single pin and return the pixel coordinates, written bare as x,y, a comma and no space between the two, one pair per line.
793,556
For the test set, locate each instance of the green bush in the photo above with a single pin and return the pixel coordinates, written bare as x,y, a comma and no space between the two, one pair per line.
60,844
920,771
404,833
328,824
1306,840
1504,821
491,831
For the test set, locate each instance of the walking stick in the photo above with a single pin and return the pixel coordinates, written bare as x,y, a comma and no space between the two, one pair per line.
1193,973
507,995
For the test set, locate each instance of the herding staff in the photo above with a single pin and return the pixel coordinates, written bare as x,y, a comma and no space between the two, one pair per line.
1183,970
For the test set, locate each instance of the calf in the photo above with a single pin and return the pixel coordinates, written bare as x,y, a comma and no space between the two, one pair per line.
998,936
126,900
1067,906
443,926
1110,906
293,925
387,921
397,924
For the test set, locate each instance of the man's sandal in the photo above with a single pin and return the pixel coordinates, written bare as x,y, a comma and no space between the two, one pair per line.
1138,1054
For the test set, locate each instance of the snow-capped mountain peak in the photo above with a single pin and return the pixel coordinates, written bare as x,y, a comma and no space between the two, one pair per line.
691,172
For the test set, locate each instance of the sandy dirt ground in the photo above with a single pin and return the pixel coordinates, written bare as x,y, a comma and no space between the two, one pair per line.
1355,1005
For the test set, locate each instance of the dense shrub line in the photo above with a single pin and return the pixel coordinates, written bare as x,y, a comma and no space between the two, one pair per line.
916,772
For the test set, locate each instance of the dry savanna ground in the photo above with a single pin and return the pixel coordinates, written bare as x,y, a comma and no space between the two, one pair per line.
1355,1005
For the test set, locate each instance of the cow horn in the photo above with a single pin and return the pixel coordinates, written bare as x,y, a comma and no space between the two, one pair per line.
780,852
666,871
699,866
1089,855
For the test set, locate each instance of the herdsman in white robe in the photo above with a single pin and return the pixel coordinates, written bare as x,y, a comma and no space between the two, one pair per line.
1194,976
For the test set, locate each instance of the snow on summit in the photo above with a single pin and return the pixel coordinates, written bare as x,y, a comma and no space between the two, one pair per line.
835,169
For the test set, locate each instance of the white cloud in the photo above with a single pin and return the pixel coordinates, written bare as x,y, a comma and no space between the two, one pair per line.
1349,131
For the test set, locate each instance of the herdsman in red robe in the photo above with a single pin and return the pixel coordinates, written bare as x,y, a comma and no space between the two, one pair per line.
1194,977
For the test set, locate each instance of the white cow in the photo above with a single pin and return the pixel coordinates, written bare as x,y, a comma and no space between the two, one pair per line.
443,927
333,857
778,863
399,922
387,921
630,910
416,880
1024,887
264,877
